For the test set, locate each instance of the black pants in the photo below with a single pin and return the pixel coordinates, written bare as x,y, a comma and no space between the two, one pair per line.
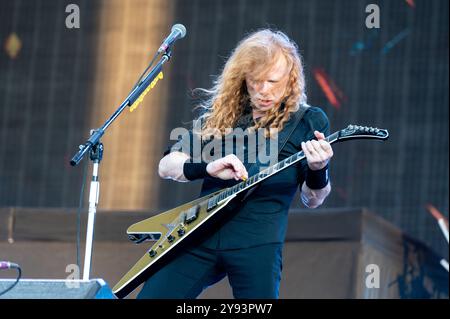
252,272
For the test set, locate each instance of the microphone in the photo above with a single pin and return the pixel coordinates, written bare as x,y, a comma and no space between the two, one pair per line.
178,32
8,265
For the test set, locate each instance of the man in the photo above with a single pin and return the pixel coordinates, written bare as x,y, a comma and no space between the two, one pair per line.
262,86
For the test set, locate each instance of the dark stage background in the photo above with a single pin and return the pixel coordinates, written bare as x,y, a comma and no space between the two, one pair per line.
56,83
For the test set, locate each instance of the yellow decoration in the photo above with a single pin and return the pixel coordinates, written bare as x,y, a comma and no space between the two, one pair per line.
13,45
141,97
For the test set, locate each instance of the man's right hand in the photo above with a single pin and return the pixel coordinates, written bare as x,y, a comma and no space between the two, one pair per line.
227,167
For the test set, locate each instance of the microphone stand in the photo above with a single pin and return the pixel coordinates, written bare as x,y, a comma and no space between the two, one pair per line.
95,149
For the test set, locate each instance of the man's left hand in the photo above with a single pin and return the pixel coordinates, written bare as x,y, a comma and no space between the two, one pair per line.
318,153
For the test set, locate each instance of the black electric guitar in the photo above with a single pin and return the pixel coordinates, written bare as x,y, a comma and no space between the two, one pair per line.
173,227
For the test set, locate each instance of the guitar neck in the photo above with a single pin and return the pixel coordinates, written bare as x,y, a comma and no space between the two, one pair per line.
266,173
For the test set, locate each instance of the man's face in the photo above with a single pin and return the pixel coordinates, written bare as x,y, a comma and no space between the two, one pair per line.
267,91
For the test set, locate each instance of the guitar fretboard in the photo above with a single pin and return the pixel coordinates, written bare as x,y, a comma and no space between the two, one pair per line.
271,170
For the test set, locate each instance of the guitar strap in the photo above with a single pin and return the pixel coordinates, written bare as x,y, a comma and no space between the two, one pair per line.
283,137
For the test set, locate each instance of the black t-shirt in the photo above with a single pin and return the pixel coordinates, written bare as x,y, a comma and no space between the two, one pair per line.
262,217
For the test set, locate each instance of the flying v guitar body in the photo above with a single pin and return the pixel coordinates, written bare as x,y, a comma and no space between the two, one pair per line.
169,230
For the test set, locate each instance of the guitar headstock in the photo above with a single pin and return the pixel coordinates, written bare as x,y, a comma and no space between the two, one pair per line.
362,132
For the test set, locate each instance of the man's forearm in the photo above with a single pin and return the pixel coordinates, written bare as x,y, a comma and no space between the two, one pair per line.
313,198
171,166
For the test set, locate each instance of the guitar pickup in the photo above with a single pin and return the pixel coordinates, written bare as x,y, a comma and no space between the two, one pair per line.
211,204
191,214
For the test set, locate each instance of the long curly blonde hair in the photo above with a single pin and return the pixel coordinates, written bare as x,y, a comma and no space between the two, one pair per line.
228,97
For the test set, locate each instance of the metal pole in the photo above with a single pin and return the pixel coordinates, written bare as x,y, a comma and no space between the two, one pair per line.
94,192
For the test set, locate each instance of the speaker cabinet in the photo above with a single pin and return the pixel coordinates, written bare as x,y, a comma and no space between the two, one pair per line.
56,289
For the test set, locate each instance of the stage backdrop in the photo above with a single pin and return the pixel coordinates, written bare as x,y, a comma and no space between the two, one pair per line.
58,82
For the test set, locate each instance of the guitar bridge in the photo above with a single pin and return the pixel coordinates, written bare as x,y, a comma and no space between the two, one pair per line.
139,238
